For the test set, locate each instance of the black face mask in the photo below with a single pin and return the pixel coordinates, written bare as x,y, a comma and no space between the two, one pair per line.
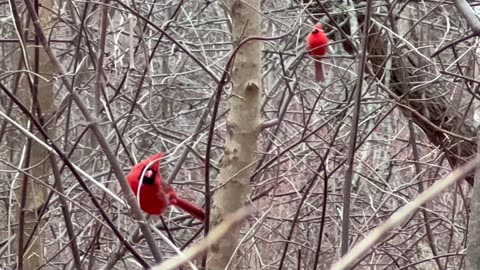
149,180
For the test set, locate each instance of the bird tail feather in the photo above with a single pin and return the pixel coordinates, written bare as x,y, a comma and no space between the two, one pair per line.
319,71
190,208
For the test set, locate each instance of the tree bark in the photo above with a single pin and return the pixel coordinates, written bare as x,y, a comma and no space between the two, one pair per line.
39,164
473,246
430,108
243,126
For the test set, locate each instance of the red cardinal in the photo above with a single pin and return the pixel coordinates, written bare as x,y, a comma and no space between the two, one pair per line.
317,43
155,194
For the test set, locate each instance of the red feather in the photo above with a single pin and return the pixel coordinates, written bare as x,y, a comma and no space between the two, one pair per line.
155,194
317,43
186,206
319,72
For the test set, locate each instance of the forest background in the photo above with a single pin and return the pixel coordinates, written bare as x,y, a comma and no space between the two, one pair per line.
226,89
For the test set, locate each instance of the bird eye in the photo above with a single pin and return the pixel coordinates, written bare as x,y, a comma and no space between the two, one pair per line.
315,31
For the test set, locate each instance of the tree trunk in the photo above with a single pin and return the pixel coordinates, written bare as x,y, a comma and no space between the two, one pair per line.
243,126
473,247
38,164
429,107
